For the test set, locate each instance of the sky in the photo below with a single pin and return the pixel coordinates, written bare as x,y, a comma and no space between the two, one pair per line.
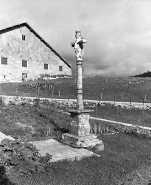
118,32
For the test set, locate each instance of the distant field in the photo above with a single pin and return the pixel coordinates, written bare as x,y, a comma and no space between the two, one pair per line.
99,88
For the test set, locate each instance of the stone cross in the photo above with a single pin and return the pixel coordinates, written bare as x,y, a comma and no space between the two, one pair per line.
80,130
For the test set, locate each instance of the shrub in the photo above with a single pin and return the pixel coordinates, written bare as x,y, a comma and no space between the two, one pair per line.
23,157
36,102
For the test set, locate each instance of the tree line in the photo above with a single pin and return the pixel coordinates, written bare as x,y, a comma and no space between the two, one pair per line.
145,74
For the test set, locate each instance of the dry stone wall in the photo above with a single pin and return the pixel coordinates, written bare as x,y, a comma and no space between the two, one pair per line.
33,50
99,125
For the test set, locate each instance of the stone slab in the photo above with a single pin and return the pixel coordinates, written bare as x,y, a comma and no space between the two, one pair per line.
3,136
60,151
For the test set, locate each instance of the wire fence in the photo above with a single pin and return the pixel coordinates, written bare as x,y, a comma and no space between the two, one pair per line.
44,90
38,90
125,97
55,92
137,114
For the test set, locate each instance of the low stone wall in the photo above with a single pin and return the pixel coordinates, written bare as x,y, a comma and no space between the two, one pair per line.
30,100
71,103
99,126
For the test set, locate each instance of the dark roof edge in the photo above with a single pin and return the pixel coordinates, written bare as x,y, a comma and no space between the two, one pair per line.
37,35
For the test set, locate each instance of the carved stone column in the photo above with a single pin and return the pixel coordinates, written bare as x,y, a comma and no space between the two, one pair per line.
79,86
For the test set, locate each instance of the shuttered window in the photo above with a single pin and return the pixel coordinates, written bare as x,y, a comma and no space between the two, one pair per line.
24,63
3,60
60,68
45,66
23,37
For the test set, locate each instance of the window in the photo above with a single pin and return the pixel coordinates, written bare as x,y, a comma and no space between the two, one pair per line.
23,37
45,66
60,68
3,60
24,63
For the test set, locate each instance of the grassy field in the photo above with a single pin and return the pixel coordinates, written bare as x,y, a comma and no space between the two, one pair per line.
132,115
117,164
29,122
118,89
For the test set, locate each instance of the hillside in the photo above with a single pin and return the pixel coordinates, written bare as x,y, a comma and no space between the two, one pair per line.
100,88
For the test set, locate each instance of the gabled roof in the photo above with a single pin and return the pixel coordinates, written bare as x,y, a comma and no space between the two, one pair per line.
36,34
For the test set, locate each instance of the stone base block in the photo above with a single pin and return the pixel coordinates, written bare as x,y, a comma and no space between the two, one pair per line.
88,141
79,130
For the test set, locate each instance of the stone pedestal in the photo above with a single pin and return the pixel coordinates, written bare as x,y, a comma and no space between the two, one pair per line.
79,135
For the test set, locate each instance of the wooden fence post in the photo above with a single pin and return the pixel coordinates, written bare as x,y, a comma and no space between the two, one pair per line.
101,95
16,90
96,110
144,97
122,95
117,113
130,102
143,110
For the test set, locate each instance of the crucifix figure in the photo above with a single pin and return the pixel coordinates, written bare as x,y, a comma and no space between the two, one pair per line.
78,45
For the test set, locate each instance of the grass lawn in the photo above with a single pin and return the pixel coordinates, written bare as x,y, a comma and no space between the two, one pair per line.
123,155
30,123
